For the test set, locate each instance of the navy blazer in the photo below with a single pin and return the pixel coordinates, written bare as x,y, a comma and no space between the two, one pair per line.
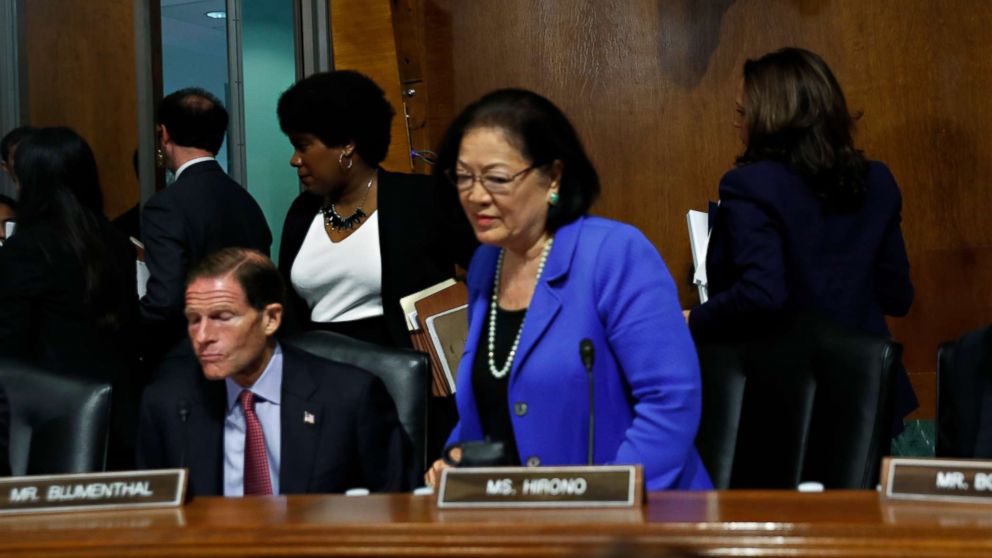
423,234
355,439
604,281
774,247
202,212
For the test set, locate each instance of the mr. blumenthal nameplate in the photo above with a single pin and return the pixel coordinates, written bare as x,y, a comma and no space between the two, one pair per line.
956,480
605,486
91,491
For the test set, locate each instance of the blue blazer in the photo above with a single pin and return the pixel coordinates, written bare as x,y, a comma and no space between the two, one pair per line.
604,281
774,247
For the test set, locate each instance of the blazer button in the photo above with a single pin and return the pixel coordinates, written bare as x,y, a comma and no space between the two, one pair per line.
533,461
520,409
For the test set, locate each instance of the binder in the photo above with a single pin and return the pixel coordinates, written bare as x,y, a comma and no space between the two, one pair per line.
437,318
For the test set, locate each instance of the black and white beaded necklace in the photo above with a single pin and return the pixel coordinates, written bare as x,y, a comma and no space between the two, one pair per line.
338,223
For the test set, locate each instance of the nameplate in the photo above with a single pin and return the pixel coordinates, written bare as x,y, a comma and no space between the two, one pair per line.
92,491
955,480
606,486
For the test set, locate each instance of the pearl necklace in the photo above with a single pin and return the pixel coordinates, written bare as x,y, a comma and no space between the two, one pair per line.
499,373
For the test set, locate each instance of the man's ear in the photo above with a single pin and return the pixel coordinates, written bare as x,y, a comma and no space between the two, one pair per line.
272,318
164,133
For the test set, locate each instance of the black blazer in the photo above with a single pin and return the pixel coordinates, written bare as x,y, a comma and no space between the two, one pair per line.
774,248
355,441
964,404
43,318
423,234
202,212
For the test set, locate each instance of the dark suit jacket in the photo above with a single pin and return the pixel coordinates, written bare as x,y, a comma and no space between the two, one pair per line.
774,248
356,439
423,234
964,408
202,212
43,318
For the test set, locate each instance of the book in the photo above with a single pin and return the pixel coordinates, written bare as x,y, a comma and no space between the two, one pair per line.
448,332
438,323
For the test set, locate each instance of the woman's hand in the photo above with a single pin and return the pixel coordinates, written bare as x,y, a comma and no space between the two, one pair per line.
434,473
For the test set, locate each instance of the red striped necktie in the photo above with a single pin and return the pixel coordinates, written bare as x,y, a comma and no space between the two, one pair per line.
256,479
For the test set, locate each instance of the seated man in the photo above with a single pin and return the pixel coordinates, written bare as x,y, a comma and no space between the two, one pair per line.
255,417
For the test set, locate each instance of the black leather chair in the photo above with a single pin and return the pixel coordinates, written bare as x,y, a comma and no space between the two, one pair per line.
58,424
809,402
964,396
405,373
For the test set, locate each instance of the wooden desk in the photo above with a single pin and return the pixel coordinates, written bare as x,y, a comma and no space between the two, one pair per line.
715,523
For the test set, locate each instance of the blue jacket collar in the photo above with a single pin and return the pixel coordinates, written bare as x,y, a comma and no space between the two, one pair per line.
546,302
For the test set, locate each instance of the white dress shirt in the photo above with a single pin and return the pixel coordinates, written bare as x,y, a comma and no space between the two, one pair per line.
189,164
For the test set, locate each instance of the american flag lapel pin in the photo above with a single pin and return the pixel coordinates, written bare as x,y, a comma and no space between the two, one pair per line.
308,418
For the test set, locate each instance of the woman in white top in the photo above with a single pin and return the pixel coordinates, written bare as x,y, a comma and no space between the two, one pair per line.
358,238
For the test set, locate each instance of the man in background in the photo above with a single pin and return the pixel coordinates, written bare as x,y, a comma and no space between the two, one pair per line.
8,145
203,211
8,213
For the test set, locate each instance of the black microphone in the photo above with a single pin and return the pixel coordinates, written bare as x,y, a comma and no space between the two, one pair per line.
183,407
588,355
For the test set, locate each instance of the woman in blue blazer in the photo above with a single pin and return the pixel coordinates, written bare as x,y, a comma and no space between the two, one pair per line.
805,222
548,277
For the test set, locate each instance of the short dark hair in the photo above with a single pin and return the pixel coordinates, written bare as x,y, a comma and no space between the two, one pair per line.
339,107
795,113
542,133
194,117
254,271
13,137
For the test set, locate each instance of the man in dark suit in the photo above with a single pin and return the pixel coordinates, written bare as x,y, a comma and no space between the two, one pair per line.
201,212
256,417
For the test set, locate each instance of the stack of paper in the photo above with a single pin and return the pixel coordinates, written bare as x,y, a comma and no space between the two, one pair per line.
699,238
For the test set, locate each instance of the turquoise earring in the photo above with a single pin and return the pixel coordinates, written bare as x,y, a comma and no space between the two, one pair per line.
553,199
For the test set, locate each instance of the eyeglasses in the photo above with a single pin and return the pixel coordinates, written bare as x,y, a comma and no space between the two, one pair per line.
493,183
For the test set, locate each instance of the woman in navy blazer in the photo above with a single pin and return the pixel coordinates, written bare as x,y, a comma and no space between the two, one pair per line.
805,222
548,277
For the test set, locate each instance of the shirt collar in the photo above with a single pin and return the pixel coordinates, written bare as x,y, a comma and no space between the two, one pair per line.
267,387
190,163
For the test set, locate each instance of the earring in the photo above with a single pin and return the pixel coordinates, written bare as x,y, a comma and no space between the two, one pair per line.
341,162
553,198
159,158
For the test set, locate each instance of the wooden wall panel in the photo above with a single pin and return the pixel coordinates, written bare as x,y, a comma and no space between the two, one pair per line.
363,40
80,72
650,86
